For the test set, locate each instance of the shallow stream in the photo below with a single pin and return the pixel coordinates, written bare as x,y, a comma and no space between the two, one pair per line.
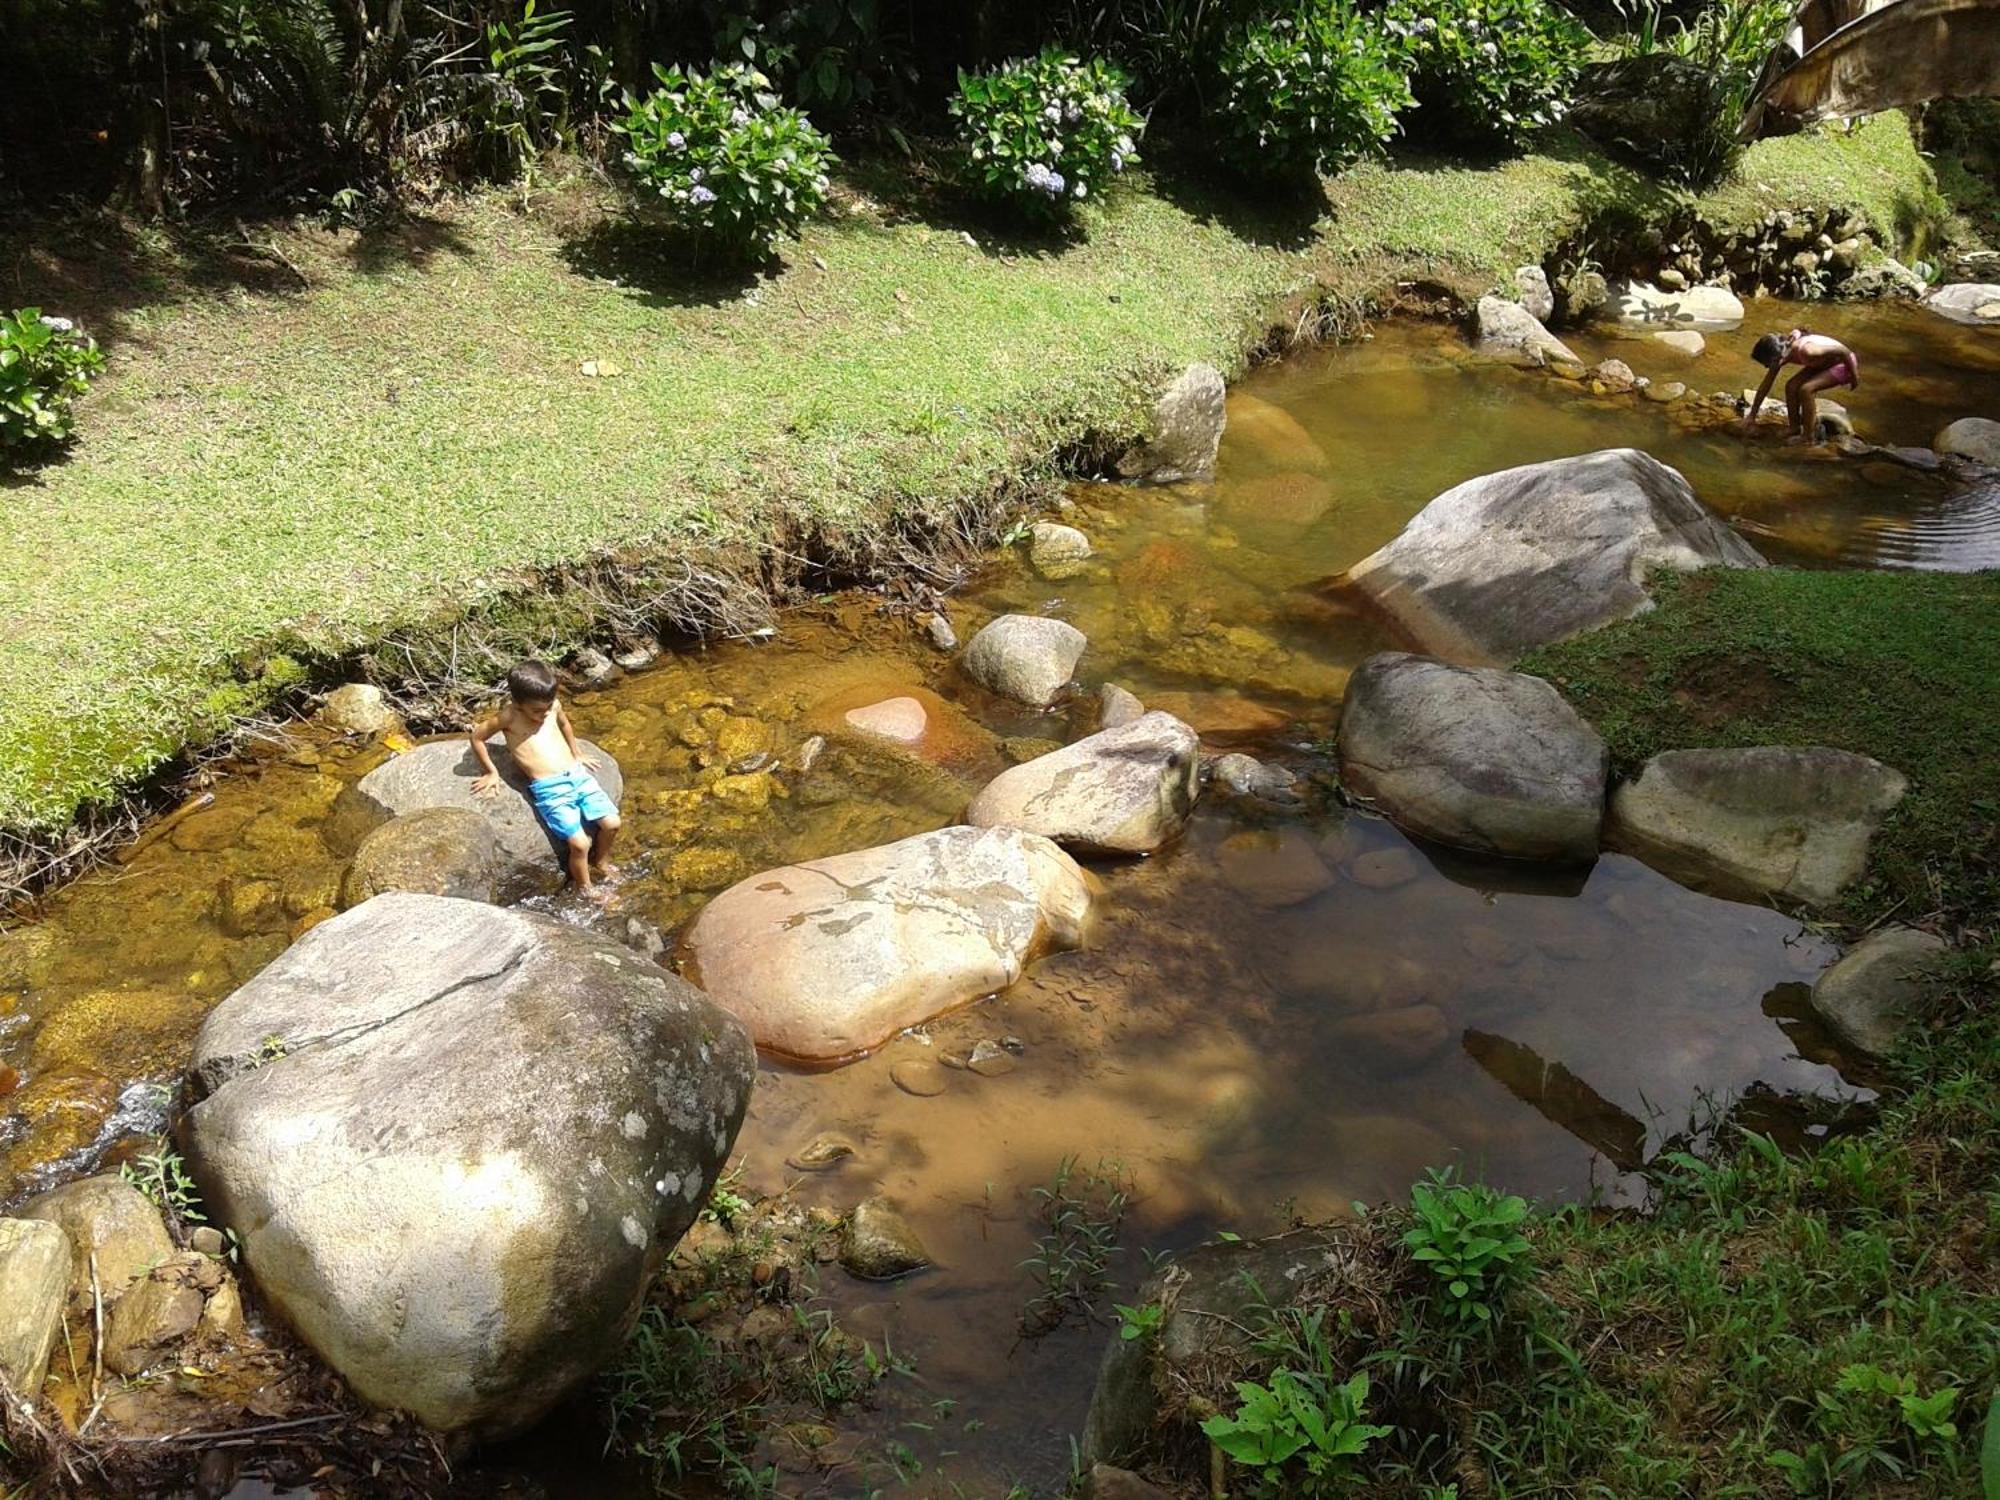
1285,1013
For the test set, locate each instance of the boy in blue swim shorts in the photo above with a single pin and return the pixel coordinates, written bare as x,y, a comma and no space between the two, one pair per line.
566,797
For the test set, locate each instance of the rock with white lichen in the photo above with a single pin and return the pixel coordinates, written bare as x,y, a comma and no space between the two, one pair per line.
456,1141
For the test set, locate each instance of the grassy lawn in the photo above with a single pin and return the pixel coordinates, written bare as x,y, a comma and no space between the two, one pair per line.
394,428
1901,666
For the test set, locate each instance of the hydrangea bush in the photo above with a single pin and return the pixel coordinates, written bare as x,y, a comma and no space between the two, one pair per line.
1311,91
1042,134
730,163
45,364
1483,68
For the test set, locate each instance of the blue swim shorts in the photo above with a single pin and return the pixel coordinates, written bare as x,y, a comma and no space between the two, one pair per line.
567,801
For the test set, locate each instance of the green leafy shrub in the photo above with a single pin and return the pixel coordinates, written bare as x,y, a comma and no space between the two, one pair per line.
1313,90
1482,68
730,163
1041,134
1301,1422
45,364
1469,1237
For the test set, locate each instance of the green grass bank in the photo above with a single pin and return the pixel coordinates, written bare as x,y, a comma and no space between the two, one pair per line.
312,440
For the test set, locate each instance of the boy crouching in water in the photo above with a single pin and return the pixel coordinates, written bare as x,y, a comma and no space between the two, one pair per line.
567,799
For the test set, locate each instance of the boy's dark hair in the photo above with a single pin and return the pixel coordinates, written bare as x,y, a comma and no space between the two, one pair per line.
1769,351
532,682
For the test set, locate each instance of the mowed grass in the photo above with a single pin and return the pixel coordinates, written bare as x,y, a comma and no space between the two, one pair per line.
405,431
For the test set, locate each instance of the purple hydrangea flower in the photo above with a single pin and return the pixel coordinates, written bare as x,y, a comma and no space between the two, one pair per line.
701,196
676,139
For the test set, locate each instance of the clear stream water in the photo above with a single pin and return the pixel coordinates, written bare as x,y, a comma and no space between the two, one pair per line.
1284,1013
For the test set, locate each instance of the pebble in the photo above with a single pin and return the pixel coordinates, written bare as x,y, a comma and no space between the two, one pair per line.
918,1076
991,1060
1384,869
821,1152
207,1239
809,752
942,635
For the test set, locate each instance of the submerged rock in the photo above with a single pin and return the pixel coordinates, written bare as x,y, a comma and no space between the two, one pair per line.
107,1217
830,958
1682,341
1772,820
1246,776
441,774
1865,997
1486,760
877,1243
1120,791
34,1284
1057,551
455,1142
1029,658
1265,437
940,631
1976,438
438,851
1966,302
358,708
1511,334
1706,309
1187,429
1526,557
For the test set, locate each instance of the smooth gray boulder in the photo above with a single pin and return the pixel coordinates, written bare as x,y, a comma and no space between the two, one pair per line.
1865,996
1029,658
1509,334
1526,557
1976,438
1120,791
1477,758
34,1284
438,851
1771,820
827,960
1705,309
107,1217
456,1141
1187,430
1970,302
1116,707
441,773
1210,1299
1531,285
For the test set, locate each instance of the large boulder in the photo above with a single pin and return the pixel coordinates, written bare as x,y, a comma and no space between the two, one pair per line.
34,1284
1969,302
1647,308
440,774
1187,430
1029,658
1864,998
1477,758
456,1140
1976,438
1210,1300
438,851
1510,334
106,1217
1530,556
1120,791
1771,820
827,959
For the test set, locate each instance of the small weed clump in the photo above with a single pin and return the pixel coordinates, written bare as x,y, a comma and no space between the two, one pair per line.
729,163
1469,1236
45,364
163,1177
1041,134
1083,1213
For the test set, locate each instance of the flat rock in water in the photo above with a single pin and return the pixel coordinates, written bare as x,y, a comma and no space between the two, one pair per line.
1187,429
1976,438
1969,302
1480,759
878,1244
455,1140
1682,341
1393,1041
1705,309
1527,557
918,1076
1864,998
1246,776
1510,334
437,851
1772,820
1267,437
441,774
107,1217
1120,791
828,959
34,1284
1029,658
1274,866
900,719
